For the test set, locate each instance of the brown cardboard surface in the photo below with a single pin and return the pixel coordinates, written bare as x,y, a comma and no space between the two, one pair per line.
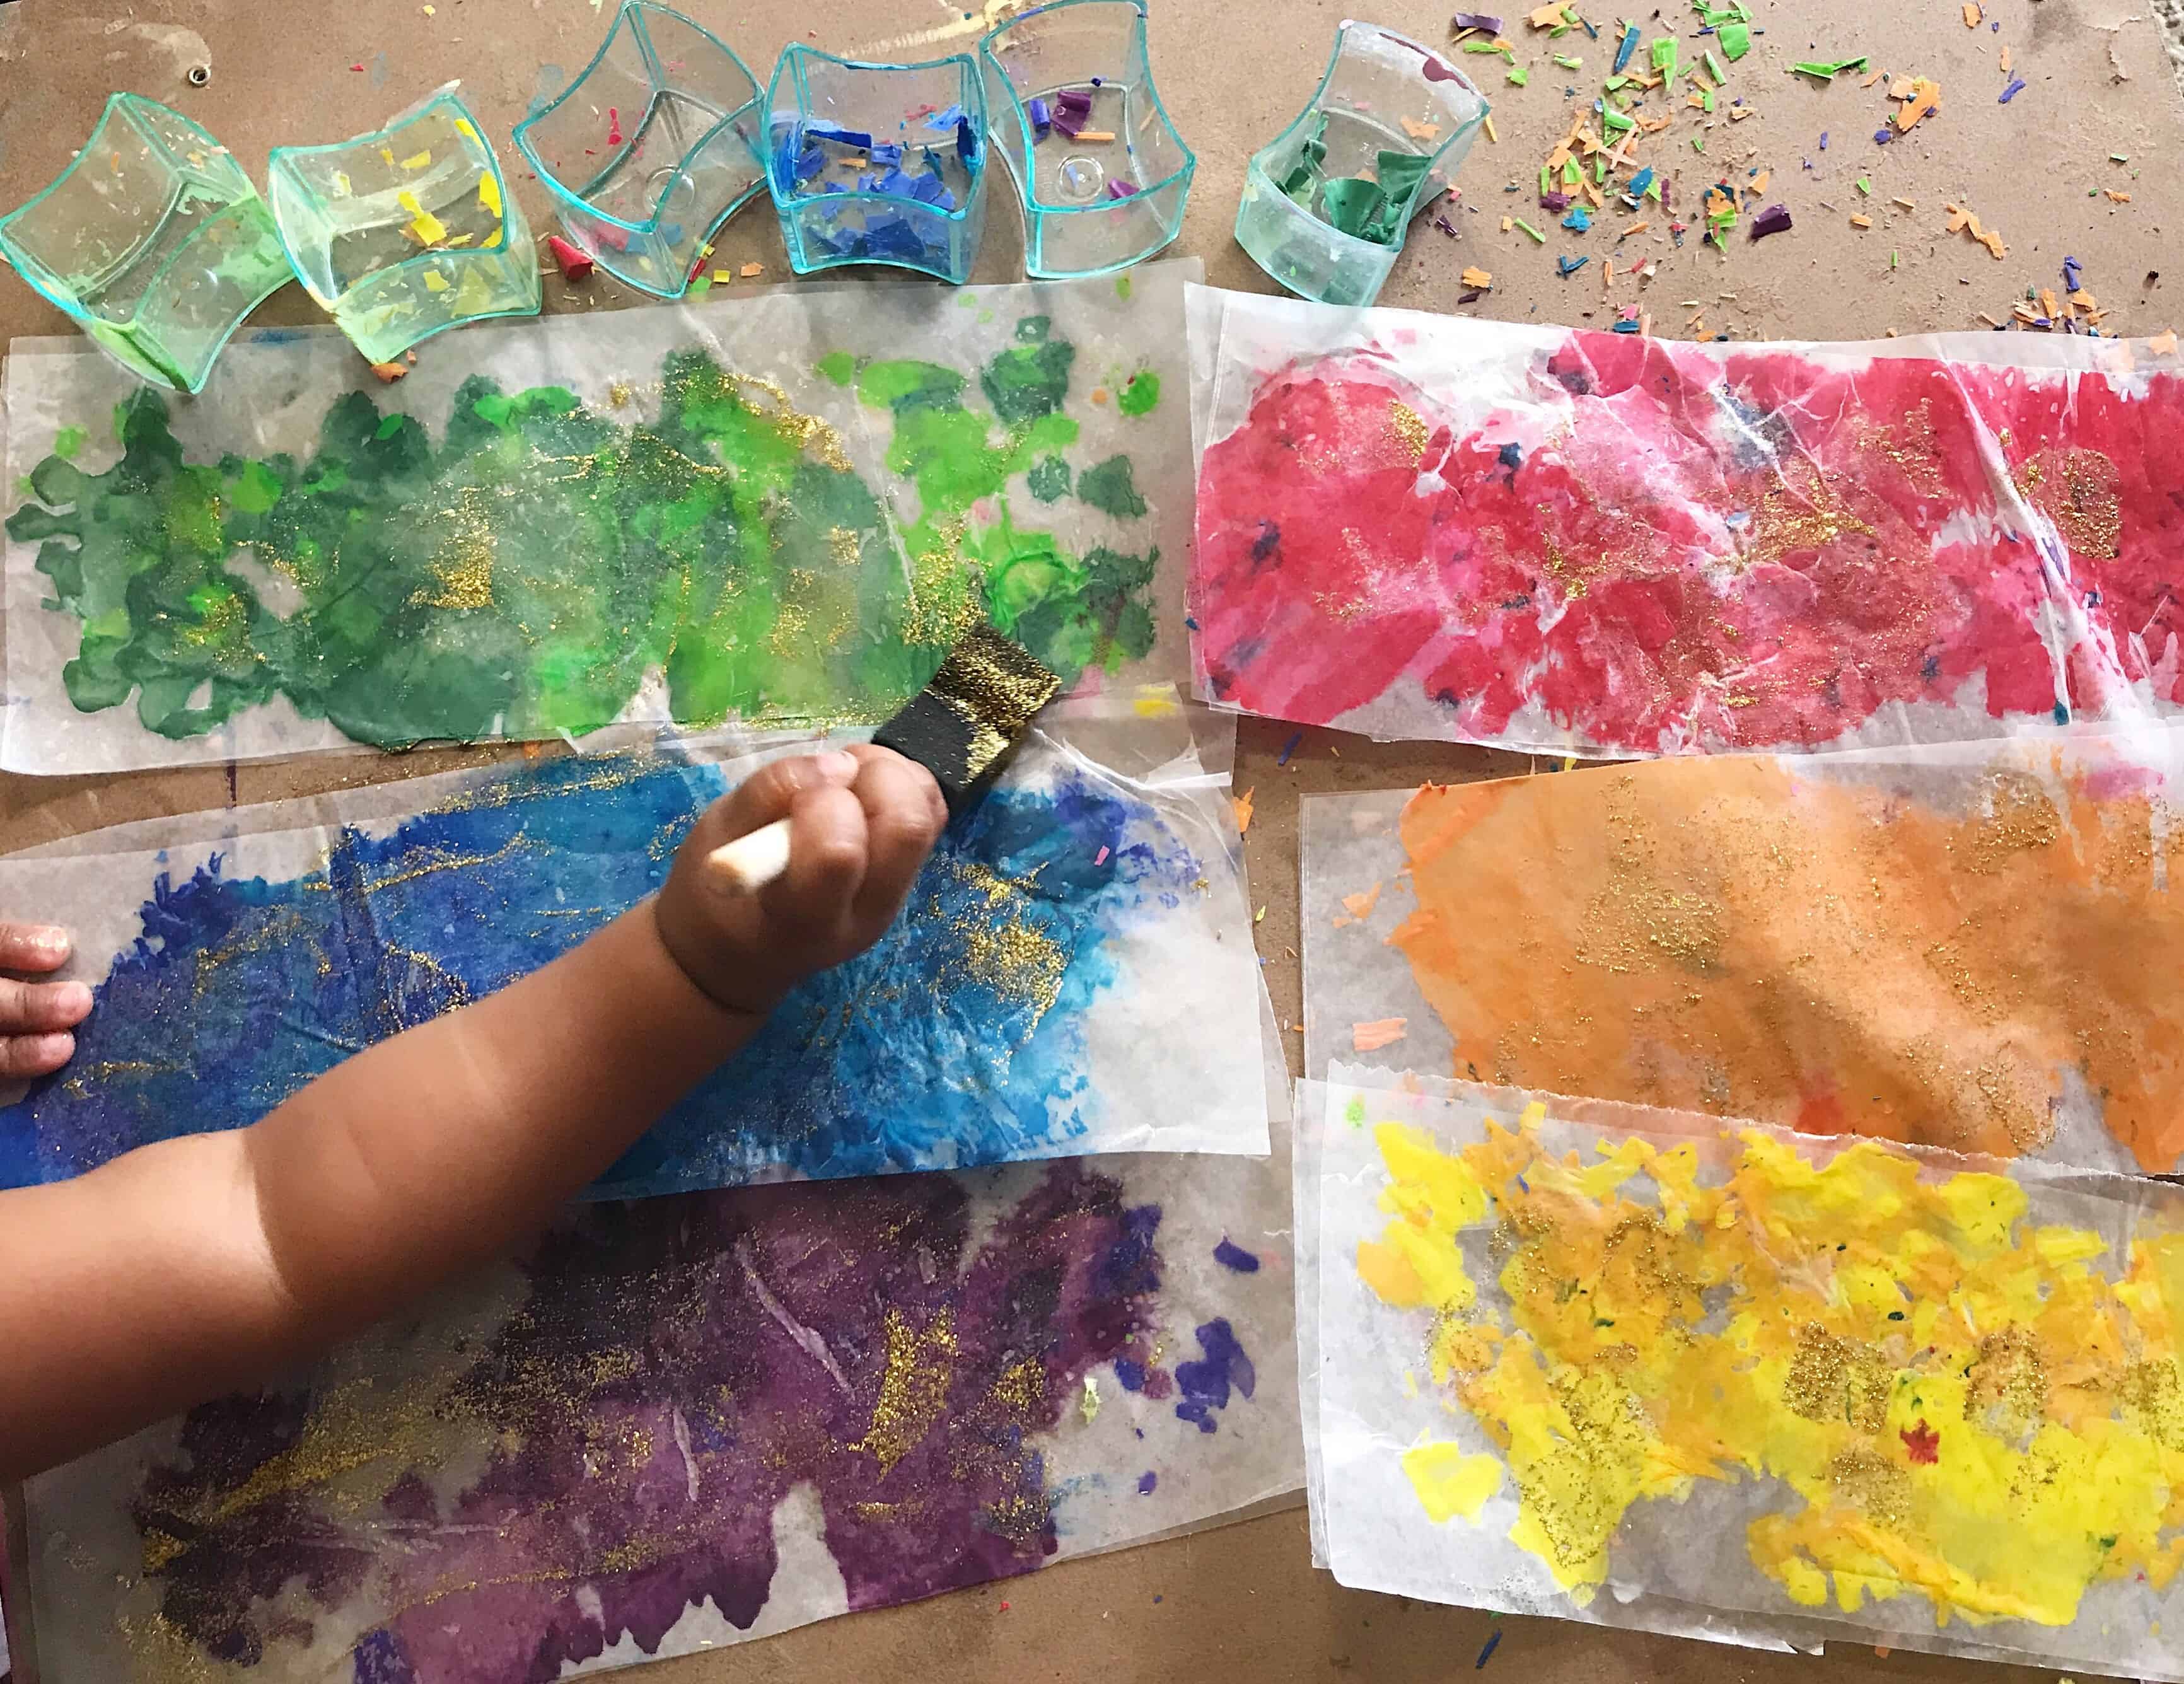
1243,1601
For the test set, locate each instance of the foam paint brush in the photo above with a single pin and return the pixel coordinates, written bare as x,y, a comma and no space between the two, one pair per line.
961,728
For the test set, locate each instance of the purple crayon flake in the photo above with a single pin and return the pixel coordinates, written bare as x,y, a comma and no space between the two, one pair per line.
1774,219
1146,1481
1464,20
2016,87
1824,140
1231,1254
1882,136
1120,189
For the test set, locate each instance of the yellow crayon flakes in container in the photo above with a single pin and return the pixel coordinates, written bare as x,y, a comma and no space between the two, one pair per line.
427,228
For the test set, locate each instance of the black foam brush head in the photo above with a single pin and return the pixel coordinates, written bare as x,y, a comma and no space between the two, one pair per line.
964,725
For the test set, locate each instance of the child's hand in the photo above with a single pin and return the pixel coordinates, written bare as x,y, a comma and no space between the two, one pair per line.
861,824
36,1017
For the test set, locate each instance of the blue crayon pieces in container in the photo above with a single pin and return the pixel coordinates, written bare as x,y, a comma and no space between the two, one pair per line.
877,163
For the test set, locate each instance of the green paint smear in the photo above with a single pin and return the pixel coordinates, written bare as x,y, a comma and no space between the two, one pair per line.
526,574
1111,488
838,366
1141,397
69,442
1049,479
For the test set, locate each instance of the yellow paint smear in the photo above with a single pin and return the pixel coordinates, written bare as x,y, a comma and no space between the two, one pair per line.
1719,935
1952,1400
1451,1483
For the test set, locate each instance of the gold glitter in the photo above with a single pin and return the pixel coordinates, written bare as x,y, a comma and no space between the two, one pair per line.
1021,1391
435,859
1635,920
943,604
1020,1519
2008,1383
2077,489
1802,514
846,546
619,395
808,433
1833,1379
2019,818
223,624
913,1387
1409,428
1005,953
1865,1480
464,562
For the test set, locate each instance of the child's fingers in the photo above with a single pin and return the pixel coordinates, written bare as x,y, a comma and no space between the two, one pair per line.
770,792
904,814
23,1057
32,947
27,1007
826,844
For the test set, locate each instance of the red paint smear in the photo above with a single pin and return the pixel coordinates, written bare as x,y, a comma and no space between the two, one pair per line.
1742,549
1924,1444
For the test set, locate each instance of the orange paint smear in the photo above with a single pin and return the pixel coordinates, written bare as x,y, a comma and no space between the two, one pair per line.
1716,936
1371,1037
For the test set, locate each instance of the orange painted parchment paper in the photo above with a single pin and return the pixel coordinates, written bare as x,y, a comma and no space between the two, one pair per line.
1976,948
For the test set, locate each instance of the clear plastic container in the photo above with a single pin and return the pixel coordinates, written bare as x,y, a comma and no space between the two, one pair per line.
877,163
651,148
1091,205
1383,93
154,239
407,231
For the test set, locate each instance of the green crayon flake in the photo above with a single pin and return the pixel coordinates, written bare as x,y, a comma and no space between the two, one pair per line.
1715,68
1735,40
526,572
1569,63
699,286
1121,286
1664,58
837,366
69,442
1141,396
1519,77
1537,236
1048,478
1110,487
1865,185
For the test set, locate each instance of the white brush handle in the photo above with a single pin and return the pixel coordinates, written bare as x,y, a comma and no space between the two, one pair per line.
750,862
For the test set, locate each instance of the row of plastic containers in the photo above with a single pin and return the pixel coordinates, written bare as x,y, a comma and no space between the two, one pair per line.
156,241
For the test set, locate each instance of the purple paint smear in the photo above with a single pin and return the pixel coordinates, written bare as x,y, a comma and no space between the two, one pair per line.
1206,1382
675,1368
1231,1254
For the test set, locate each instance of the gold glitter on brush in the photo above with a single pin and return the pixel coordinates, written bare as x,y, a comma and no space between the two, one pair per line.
1409,428
2077,489
913,1387
994,687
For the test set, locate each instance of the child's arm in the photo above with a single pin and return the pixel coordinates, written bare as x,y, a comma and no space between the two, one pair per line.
198,1265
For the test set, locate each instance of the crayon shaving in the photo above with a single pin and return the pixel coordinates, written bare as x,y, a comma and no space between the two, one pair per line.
1478,279
1242,804
1921,97
1371,1037
1962,221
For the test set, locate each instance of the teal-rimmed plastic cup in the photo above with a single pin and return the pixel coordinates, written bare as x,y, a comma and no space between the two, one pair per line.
1091,205
154,240
655,144
408,231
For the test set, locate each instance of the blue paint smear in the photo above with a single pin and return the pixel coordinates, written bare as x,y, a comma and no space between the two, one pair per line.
1206,1382
921,1053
